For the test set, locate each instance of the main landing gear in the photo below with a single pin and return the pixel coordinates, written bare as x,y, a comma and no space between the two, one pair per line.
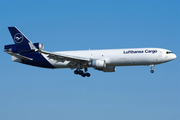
152,71
80,72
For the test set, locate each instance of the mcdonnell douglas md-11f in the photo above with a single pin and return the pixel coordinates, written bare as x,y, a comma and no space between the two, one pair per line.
26,52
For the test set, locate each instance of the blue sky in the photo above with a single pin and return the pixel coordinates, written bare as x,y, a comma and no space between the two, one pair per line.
131,93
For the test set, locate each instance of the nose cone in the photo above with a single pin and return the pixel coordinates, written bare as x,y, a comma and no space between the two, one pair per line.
170,57
174,56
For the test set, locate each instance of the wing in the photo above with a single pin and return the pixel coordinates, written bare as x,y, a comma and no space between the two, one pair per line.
74,60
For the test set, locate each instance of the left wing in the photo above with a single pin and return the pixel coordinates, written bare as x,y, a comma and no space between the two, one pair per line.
64,57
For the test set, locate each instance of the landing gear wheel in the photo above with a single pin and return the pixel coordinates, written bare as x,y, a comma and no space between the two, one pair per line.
88,74
83,75
80,72
152,71
76,72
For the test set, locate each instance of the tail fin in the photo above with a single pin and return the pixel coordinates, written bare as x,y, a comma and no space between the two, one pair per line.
20,39
18,36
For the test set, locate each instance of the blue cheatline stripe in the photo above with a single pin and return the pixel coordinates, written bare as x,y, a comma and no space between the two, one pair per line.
38,60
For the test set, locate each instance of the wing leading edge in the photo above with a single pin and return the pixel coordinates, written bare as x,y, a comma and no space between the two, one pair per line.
65,57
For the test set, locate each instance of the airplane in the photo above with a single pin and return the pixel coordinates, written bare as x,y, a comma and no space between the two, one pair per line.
26,52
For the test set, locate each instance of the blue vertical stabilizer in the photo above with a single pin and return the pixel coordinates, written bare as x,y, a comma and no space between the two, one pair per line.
18,36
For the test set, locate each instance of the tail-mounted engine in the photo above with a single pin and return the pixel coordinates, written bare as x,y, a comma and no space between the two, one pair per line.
16,48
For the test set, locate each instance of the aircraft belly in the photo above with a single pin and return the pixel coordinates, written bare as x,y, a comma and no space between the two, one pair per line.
38,60
61,64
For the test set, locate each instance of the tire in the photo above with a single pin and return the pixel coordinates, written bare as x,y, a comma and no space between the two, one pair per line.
152,71
83,75
76,72
80,72
88,74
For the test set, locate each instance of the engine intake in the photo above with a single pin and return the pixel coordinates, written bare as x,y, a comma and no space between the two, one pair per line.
39,46
98,64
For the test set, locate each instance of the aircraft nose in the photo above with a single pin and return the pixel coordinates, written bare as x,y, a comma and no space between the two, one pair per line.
171,57
174,56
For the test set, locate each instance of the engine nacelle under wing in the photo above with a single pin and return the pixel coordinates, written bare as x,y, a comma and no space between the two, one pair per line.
99,64
109,69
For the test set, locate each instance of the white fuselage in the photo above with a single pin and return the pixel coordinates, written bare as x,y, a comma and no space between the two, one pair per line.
119,57
26,52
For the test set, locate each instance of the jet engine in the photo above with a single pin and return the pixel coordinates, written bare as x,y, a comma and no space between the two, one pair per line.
109,69
99,64
39,46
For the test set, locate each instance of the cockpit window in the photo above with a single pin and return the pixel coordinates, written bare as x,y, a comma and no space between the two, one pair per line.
169,52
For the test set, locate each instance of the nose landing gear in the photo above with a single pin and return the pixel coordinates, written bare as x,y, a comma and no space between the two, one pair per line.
80,72
152,71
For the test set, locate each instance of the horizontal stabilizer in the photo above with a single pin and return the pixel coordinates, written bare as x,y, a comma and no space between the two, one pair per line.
18,56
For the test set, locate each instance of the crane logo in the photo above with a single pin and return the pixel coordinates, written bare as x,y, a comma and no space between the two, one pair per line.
18,38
